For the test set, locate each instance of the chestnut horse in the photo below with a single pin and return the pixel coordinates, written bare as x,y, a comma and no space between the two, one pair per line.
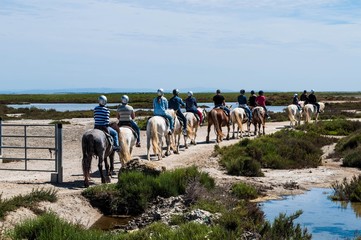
218,118
258,119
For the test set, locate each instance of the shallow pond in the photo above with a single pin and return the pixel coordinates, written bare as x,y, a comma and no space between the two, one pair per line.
111,222
324,218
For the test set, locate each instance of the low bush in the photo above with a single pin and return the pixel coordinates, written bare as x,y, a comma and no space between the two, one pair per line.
49,226
347,190
134,190
28,201
284,149
340,127
349,149
244,191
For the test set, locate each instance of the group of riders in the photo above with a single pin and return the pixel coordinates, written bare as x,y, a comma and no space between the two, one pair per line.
126,113
306,99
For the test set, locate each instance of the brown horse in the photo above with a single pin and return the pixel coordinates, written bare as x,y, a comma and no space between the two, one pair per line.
258,119
219,118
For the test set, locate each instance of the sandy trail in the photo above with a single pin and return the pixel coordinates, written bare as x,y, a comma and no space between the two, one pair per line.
73,207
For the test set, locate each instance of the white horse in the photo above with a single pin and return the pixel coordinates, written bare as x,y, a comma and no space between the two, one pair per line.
176,135
157,128
294,113
310,110
192,128
239,116
127,141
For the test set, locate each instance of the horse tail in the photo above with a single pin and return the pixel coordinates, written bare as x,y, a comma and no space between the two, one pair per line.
124,153
290,115
154,137
87,147
218,129
238,119
307,114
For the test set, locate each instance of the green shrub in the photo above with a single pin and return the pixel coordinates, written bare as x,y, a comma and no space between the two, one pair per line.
28,201
283,228
134,190
244,191
347,190
284,149
337,126
48,226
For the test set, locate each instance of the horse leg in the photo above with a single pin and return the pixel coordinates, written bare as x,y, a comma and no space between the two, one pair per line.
148,148
168,143
100,168
107,170
208,130
233,127
111,160
228,130
86,169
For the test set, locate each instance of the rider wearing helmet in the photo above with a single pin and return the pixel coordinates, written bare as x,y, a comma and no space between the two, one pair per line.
160,106
126,116
261,101
313,100
102,120
252,100
191,106
175,103
219,101
295,101
242,103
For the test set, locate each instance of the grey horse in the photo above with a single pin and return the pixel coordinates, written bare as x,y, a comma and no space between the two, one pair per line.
96,143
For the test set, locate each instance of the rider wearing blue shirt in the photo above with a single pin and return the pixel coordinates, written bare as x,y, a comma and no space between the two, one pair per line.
160,106
101,120
175,103
242,102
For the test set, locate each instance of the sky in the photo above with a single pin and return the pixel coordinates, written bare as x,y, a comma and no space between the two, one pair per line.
273,45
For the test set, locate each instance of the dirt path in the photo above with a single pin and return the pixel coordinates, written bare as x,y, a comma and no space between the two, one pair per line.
74,208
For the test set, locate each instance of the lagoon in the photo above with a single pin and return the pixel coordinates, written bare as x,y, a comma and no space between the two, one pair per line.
324,218
63,107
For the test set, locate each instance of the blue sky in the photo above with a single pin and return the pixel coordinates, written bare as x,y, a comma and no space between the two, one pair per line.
279,45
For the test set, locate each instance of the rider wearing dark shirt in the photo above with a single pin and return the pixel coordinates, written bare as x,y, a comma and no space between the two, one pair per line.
252,100
313,100
219,101
175,103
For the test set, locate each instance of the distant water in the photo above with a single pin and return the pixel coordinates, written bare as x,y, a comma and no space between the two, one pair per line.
62,107
324,218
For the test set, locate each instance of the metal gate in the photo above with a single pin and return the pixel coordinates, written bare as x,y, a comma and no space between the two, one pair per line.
22,145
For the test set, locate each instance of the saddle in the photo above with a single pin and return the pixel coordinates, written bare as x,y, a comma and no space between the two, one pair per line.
105,130
197,116
225,112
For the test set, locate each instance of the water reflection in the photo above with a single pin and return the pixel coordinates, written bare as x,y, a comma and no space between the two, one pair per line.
324,218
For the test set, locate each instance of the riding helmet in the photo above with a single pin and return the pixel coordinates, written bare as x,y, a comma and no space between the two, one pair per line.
218,91
312,91
160,92
175,92
102,100
190,93
242,91
295,95
125,99
304,91
260,92
252,92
